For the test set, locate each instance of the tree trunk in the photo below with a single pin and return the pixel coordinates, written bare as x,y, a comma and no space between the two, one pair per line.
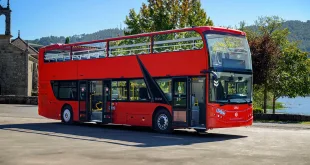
274,104
265,98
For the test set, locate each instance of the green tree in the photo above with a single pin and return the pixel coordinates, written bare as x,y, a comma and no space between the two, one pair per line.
279,66
292,76
67,40
266,40
265,53
158,15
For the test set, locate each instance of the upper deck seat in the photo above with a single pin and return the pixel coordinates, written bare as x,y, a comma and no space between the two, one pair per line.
75,57
60,59
84,58
93,56
67,58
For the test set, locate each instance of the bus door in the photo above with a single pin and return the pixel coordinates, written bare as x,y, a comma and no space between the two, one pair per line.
84,113
108,107
180,101
96,100
198,102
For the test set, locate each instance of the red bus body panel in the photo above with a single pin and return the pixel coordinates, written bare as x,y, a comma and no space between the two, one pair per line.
187,63
236,115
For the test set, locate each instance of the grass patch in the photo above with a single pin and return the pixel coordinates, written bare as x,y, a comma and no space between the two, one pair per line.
306,122
278,106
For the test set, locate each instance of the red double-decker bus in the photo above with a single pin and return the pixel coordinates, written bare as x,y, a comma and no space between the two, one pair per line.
199,77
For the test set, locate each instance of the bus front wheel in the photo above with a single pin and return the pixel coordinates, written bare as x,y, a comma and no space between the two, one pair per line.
162,122
67,115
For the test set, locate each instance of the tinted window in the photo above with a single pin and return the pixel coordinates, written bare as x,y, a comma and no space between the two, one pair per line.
65,90
138,90
55,88
119,90
165,86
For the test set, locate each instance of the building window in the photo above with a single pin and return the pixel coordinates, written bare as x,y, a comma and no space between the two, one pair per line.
138,90
119,90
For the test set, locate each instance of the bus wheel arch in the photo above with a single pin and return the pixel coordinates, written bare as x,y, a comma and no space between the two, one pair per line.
162,120
67,114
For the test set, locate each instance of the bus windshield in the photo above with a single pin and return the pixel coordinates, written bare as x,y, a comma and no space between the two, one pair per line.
231,88
228,51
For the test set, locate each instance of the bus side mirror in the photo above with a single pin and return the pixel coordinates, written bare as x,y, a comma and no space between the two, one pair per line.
215,78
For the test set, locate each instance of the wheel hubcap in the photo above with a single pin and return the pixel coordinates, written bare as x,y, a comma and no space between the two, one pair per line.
162,122
67,115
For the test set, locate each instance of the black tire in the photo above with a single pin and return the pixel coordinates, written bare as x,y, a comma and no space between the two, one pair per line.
162,121
67,115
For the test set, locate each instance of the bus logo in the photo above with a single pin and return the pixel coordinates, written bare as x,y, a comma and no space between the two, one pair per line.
236,114
235,107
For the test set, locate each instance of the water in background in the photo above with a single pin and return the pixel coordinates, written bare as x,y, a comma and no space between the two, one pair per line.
298,105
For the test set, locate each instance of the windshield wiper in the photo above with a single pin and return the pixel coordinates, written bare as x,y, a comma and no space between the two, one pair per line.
248,102
222,103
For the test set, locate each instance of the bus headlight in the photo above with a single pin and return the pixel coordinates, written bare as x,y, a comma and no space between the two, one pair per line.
220,111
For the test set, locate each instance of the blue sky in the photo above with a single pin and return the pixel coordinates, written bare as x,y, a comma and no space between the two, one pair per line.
39,18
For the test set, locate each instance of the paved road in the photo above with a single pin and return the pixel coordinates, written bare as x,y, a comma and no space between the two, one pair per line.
26,138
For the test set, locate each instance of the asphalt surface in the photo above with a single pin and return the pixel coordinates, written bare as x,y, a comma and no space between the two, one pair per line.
26,138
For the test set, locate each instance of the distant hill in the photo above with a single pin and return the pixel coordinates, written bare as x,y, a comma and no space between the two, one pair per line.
102,34
299,31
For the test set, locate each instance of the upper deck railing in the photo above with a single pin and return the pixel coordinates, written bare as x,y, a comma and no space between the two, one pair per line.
155,42
171,42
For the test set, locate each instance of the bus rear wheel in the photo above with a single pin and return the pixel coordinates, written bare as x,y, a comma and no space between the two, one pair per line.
162,122
67,115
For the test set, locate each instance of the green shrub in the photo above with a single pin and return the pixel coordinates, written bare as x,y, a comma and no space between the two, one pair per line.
258,111
258,99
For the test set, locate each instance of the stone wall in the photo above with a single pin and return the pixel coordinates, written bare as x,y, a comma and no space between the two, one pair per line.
13,70
30,100
4,39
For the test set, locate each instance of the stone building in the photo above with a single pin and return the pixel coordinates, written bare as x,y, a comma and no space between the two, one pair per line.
18,62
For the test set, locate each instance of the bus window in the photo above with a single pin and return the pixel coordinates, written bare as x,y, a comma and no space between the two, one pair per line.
138,90
65,90
165,86
119,90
